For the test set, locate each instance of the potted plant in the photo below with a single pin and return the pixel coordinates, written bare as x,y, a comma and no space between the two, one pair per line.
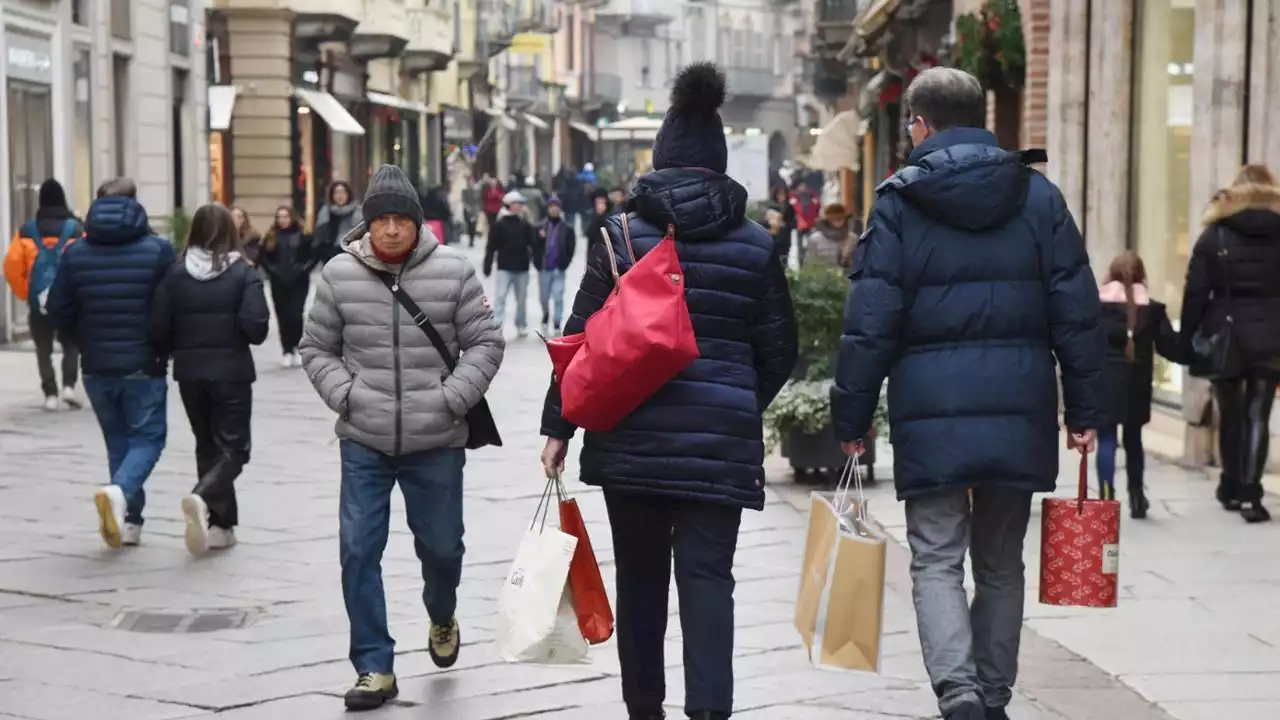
799,420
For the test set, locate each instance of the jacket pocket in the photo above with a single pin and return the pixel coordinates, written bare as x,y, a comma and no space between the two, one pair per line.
346,400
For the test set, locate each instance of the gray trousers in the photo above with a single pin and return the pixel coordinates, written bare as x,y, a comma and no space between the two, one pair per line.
971,653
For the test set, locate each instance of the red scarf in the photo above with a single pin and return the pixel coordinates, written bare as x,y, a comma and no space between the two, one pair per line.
389,259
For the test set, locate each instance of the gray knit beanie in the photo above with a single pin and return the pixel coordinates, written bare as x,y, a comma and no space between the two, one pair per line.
391,193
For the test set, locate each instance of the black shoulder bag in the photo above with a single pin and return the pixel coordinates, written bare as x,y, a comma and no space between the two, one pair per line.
482,430
1216,355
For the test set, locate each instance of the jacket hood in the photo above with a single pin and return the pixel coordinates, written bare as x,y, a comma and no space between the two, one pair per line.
700,203
1248,209
963,179
116,220
199,263
358,243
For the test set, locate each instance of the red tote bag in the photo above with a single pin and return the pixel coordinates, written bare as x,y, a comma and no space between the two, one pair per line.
641,339
590,598
1080,548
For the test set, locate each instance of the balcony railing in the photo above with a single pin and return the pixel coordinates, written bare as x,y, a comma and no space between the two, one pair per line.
837,11
537,16
749,82
497,25
606,86
325,20
431,40
524,86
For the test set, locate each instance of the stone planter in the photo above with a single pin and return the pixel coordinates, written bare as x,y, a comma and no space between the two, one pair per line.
819,454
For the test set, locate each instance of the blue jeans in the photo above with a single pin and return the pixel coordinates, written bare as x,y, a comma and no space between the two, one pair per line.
1133,455
131,411
511,282
551,290
432,485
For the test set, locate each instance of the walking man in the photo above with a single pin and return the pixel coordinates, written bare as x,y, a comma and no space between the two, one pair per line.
102,299
555,247
969,282
404,419
511,244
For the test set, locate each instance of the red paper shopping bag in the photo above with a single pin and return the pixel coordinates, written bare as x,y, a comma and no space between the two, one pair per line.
1080,548
595,617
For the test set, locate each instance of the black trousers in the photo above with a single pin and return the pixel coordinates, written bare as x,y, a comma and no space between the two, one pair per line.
1243,433
219,413
43,334
647,532
290,301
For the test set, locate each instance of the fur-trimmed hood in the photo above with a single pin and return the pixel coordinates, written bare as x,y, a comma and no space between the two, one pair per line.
1233,200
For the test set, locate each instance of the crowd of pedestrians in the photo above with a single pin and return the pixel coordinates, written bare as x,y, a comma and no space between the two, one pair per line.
970,287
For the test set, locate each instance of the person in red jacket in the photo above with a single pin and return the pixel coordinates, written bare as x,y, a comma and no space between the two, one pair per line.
807,207
492,198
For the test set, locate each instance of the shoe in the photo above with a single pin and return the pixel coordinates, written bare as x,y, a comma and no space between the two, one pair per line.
287,360
71,399
444,644
1226,496
707,715
221,538
1253,512
131,536
371,691
1138,505
522,333
51,404
195,513
297,359
996,713
110,503
968,711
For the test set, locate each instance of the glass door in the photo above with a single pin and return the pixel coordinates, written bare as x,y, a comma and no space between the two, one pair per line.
30,163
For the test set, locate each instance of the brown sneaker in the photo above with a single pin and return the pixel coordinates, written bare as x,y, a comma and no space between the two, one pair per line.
371,691
444,643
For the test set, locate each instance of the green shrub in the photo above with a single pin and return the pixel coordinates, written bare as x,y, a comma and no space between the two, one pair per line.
179,228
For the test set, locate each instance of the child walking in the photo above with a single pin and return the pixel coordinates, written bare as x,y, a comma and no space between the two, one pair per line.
1137,328
207,312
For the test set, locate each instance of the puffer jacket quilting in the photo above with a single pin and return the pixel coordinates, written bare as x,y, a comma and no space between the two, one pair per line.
400,401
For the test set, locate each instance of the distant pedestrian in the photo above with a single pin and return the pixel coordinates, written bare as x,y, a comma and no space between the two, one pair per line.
401,415
786,225
833,240
617,201
30,266
599,214
679,470
972,289
552,255
337,218
288,257
511,246
207,312
1137,328
250,238
491,195
102,298
1233,286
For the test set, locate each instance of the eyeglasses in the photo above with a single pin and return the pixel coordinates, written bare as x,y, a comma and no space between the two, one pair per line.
906,126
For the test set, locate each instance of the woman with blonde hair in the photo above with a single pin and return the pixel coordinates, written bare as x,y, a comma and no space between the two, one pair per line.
1231,328
250,239
288,259
1137,328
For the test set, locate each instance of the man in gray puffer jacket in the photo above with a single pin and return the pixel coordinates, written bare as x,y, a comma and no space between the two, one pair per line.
401,414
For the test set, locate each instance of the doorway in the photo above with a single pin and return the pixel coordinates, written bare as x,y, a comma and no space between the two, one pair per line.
30,163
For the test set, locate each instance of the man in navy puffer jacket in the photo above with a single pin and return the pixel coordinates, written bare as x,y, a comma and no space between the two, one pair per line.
678,471
969,281
102,298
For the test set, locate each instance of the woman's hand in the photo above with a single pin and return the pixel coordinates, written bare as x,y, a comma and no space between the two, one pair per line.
553,456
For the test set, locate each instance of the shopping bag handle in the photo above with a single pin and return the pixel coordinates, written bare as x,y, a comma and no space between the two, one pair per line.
850,477
544,505
1083,493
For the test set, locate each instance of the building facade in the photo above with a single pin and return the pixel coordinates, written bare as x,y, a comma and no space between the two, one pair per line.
96,89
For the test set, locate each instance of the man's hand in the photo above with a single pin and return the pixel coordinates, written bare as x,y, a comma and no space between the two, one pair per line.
553,456
1082,440
853,448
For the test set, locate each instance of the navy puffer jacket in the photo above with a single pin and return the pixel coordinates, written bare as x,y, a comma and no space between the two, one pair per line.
700,436
970,280
102,295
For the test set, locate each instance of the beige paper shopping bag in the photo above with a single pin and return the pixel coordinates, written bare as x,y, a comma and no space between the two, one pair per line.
839,611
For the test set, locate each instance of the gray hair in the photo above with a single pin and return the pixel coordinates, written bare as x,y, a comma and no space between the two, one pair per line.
946,98
119,187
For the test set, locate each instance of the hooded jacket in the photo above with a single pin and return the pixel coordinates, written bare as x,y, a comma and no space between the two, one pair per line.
700,436
102,295
21,256
969,282
1129,382
1244,222
207,318
511,243
377,370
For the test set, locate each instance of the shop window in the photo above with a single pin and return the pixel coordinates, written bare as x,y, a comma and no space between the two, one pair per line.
122,19
178,93
179,28
120,109
80,12
83,193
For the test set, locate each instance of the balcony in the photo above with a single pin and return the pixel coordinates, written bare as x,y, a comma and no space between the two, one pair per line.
524,88
382,33
634,17
431,38
749,82
497,27
317,21
606,88
537,16
834,25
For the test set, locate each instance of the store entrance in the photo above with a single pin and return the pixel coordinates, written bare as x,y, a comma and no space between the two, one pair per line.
30,163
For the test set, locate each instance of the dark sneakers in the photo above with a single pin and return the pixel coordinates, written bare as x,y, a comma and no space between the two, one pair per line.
444,643
371,691
996,713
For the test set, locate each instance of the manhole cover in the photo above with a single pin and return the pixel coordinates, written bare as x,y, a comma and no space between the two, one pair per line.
169,621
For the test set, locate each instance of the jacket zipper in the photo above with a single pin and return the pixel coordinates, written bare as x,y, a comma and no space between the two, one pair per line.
395,355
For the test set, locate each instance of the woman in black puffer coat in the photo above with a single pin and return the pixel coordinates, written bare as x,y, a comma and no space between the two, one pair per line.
678,471
1235,274
288,256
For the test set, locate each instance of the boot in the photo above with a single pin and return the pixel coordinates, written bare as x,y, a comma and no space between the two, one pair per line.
1251,508
1226,494
1138,504
996,713
708,715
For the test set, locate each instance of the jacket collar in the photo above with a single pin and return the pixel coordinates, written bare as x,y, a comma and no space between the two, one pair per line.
698,202
358,243
948,138
1236,199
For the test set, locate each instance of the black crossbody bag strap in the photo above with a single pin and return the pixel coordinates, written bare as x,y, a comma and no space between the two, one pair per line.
420,319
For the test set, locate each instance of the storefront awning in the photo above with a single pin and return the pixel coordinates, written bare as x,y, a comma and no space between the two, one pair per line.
588,130
394,101
508,123
222,101
535,121
640,129
838,146
329,110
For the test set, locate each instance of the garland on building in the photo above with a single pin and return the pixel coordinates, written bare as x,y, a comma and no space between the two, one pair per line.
990,46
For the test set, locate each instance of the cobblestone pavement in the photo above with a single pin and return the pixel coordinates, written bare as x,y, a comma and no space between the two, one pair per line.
66,650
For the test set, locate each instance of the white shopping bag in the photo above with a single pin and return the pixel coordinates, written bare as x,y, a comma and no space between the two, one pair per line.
536,619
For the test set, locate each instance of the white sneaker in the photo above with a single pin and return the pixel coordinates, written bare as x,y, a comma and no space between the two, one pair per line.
522,333
287,360
221,538
71,399
51,404
196,515
110,503
297,359
132,535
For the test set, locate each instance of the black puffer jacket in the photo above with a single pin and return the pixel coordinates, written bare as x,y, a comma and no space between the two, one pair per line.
511,243
700,436
291,258
1243,221
207,319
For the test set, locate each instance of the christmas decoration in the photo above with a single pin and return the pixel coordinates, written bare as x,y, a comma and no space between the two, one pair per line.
990,46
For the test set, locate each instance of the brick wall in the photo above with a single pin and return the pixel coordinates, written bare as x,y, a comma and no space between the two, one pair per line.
1035,96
